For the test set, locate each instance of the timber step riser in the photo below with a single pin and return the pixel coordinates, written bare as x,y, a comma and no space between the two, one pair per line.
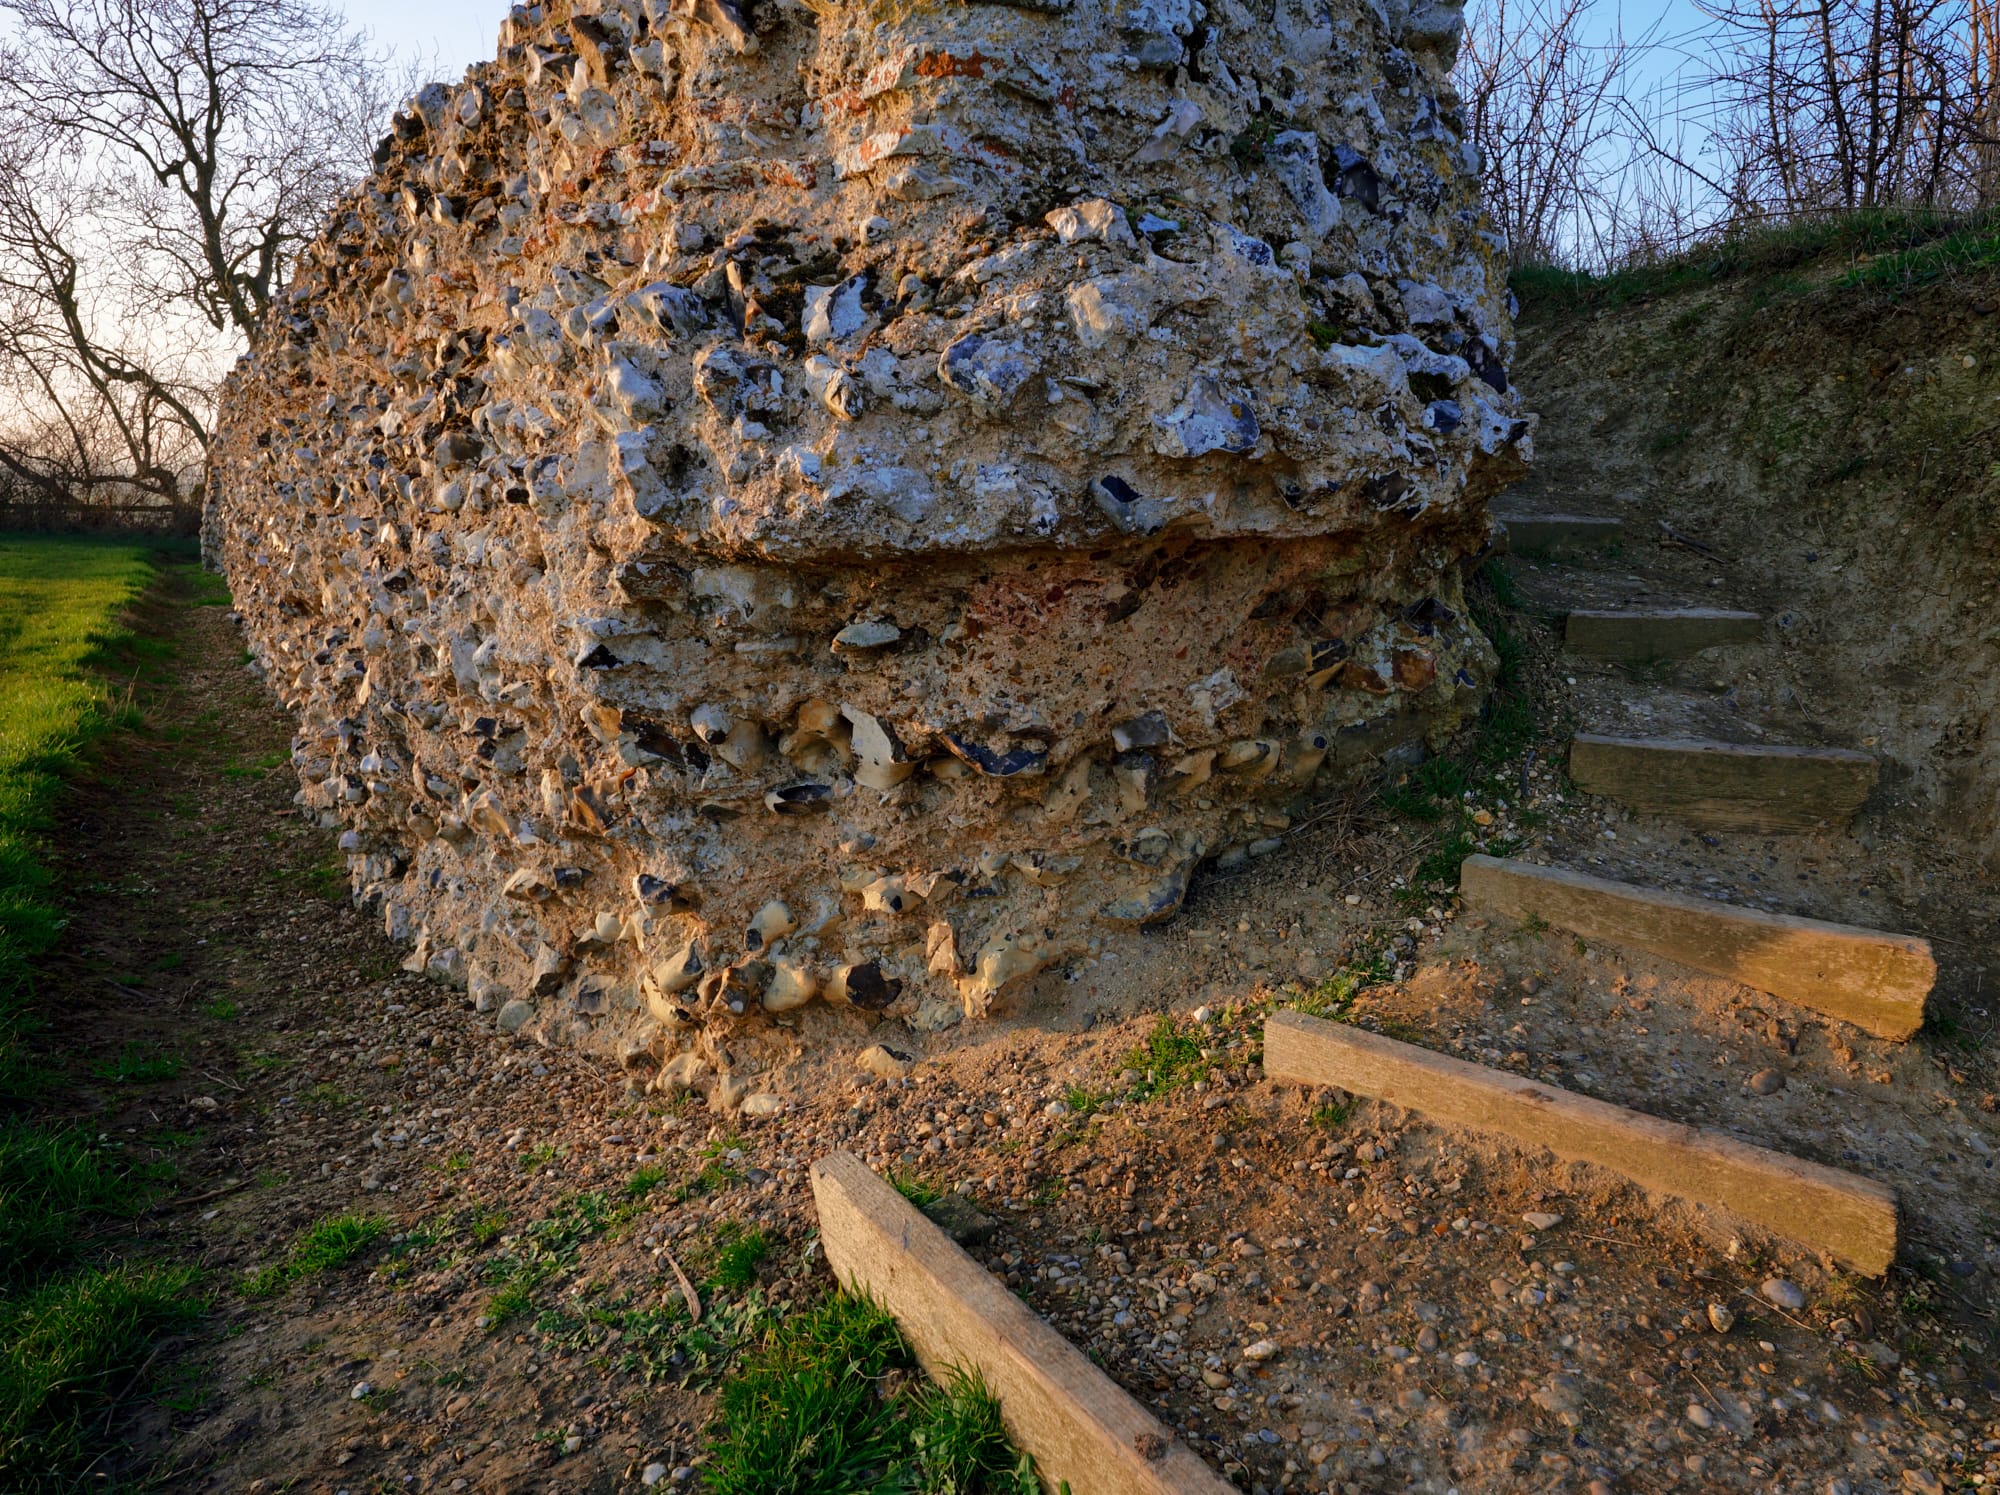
1825,1209
1877,981
1636,635
1730,786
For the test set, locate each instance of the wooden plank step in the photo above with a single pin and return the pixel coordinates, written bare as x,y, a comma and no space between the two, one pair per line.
1729,785
1656,633
1541,532
1079,1424
1822,1208
1862,976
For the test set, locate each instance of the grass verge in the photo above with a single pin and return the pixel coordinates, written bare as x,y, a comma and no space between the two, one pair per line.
1885,249
831,1403
77,1331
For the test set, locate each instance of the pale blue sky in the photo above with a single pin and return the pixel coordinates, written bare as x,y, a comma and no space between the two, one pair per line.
457,33
451,34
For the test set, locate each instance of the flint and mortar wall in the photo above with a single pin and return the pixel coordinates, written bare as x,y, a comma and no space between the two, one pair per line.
756,508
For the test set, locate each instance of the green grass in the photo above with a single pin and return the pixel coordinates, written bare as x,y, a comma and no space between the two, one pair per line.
69,1349
914,1187
138,1064
60,604
1333,998
1887,248
829,1404
1167,1060
325,1244
54,1187
76,1331
737,1256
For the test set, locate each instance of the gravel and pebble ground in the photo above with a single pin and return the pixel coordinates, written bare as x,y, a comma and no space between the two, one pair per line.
1320,1293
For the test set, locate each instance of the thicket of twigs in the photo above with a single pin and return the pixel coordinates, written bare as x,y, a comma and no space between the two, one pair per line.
1603,151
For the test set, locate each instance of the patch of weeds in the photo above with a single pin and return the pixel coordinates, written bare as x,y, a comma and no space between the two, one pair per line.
914,1187
487,1227
715,1174
1047,1193
325,1244
456,1162
221,1009
324,1097
1169,1059
643,1181
535,1157
830,1403
1250,144
509,1300
1333,997
257,767
139,1064
1331,1115
738,1252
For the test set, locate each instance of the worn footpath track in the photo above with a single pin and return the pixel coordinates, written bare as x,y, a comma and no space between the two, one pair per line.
1312,1292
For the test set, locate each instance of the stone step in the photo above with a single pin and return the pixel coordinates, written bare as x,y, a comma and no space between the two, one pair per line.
1534,533
1822,1208
1080,1425
1862,976
1656,633
1728,785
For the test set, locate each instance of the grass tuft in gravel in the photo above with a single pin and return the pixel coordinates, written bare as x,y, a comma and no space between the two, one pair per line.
831,1404
321,1246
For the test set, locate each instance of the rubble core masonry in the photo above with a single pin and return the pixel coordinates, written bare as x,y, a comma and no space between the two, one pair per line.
766,508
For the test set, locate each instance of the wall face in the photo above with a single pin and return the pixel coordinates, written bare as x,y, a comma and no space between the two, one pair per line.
755,507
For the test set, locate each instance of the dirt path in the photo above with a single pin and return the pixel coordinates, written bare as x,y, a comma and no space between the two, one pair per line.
1318,1296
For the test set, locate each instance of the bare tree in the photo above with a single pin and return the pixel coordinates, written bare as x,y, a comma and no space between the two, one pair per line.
1541,104
164,159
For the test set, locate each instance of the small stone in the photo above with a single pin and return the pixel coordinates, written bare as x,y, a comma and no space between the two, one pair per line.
1784,1294
1542,1220
1700,1416
361,1389
1921,1482
1261,1351
1465,1359
1721,1318
1411,1399
762,1106
884,1062
653,1474
1215,1380
1766,1082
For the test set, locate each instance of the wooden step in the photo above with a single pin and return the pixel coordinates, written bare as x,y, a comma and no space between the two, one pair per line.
1656,633
1533,533
1729,785
1821,1208
1079,1424
1874,980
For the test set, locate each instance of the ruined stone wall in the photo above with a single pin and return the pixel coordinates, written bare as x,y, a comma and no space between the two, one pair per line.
763,506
